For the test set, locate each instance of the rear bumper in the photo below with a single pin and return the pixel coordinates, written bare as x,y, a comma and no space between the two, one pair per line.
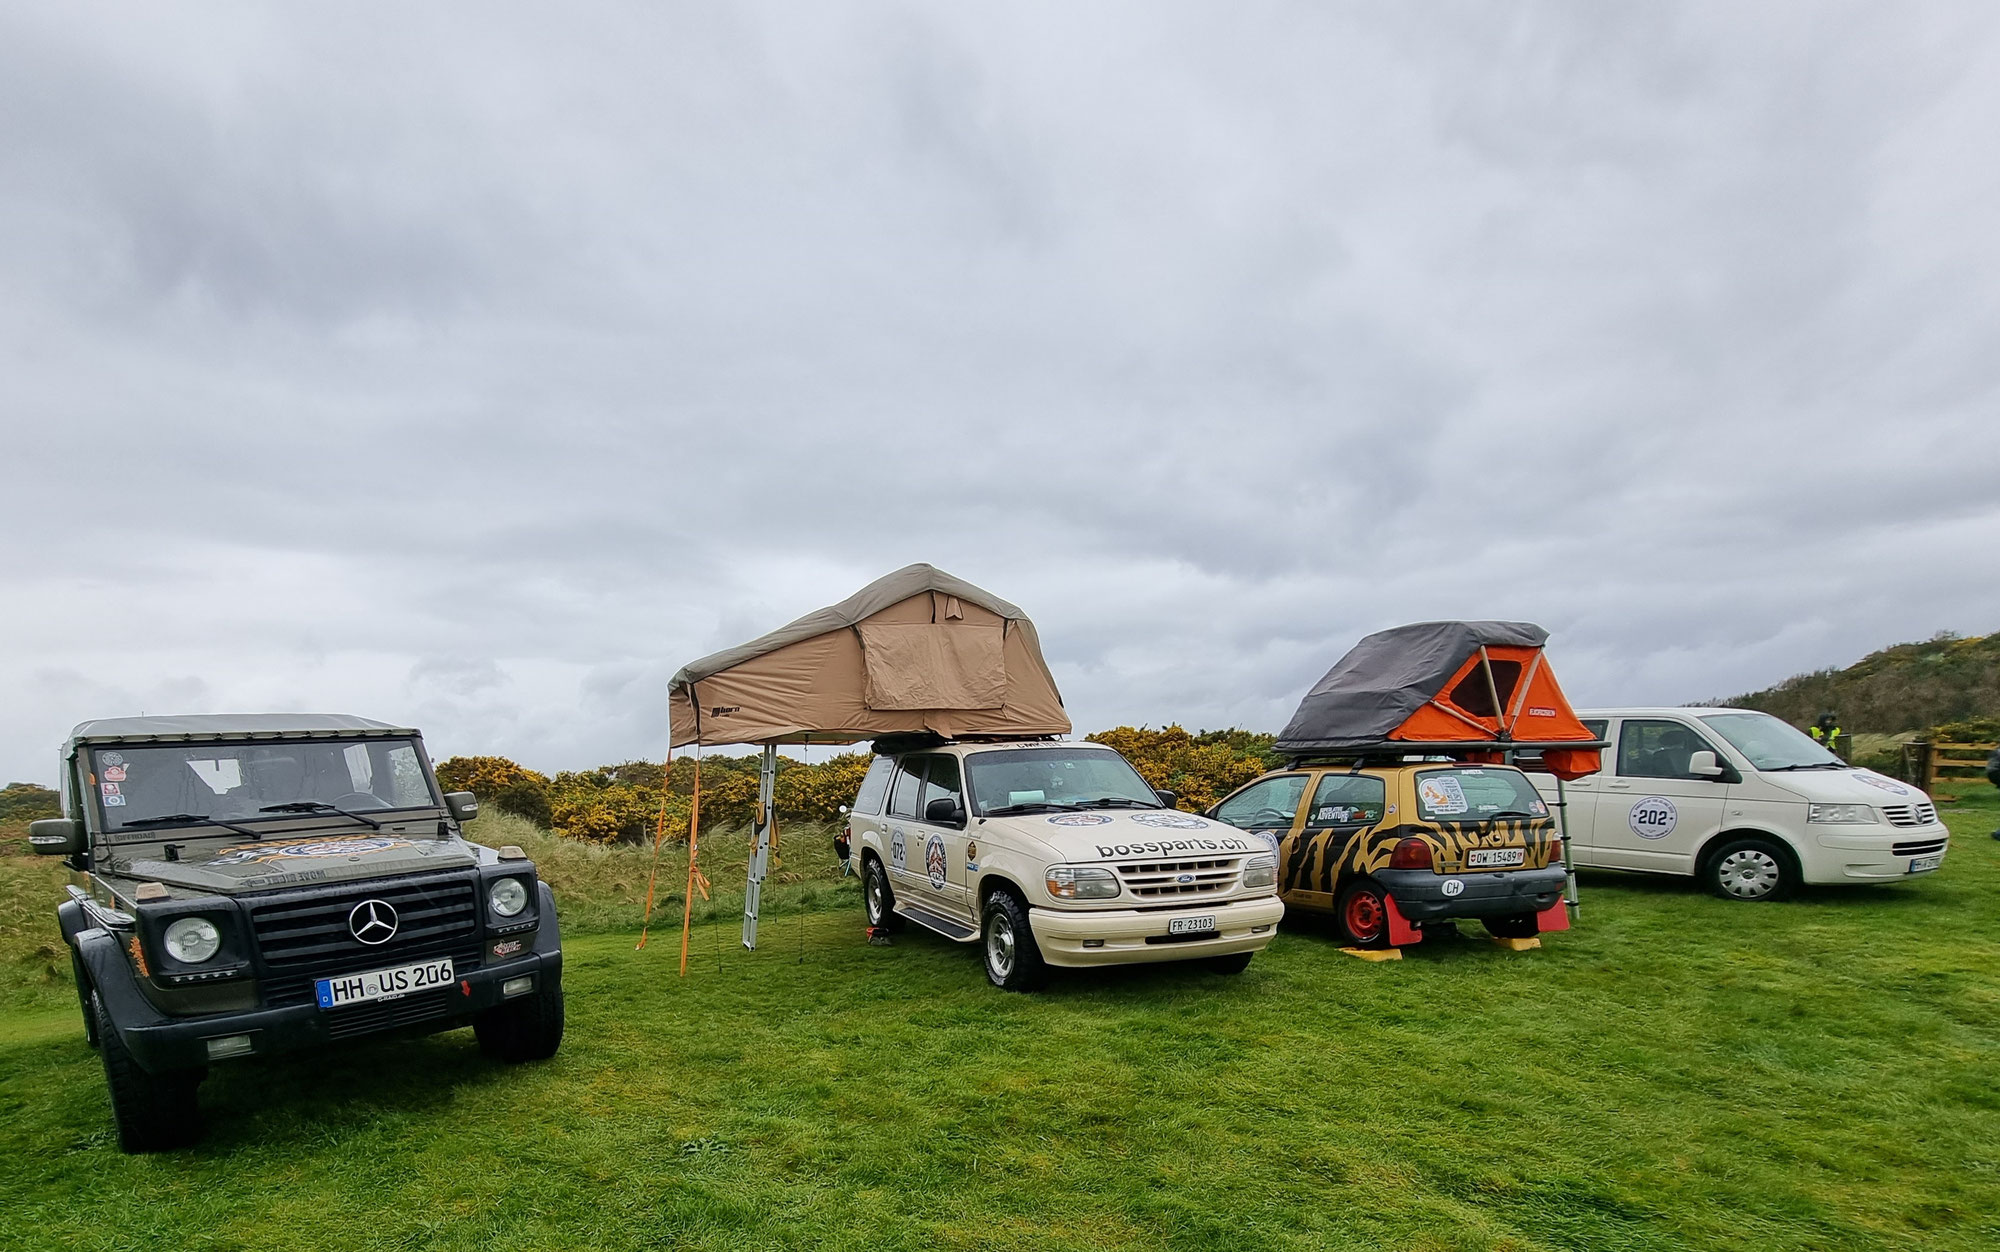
1422,895
1120,936
163,1044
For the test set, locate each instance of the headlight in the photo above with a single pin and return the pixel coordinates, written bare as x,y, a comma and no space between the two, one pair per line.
1260,871
1840,814
192,940
507,896
1087,883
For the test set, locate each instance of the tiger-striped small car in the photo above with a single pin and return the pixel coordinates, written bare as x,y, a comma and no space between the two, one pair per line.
1388,847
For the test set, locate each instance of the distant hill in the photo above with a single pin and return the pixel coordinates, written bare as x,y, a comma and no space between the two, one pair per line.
1908,687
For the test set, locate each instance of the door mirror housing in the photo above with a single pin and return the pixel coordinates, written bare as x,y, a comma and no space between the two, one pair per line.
1171,799
462,805
945,811
56,836
1704,765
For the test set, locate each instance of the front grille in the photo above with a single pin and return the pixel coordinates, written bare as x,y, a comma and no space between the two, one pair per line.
1922,813
303,936
366,1019
1157,880
1918,847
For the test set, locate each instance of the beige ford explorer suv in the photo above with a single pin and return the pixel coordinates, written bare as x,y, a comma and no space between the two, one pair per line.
1055,854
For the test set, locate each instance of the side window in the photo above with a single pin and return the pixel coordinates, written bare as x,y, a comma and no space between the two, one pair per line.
1346,799
908,790
875,787
1268,804
943,784
1597,726
1657,748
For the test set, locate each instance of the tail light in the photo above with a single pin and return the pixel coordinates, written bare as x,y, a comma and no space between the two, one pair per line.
1555,850
1411,854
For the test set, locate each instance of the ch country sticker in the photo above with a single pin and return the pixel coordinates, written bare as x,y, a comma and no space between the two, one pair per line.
1079,819
1654,817
1170,821
934,862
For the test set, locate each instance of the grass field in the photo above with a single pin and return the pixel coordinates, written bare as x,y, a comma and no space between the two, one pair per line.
1678,1072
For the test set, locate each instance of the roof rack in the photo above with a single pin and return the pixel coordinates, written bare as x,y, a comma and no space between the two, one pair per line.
1398,748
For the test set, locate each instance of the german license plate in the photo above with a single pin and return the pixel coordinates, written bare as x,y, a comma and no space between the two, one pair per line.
1493,858
1190,925
1924,864
383,984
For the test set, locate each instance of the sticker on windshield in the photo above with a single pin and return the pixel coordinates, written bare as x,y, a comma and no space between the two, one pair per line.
111,758
1441,794
112,802
934,862
1654,818
1170,821
1870,777
1538,808
1079,819
108,788
114,773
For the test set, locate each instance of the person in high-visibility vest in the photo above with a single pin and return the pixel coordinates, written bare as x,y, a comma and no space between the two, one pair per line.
1826,732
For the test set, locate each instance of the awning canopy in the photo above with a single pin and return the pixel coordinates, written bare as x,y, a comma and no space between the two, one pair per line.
917,650
1444,686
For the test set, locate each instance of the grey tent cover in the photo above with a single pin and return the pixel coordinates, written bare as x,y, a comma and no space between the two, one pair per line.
1388,676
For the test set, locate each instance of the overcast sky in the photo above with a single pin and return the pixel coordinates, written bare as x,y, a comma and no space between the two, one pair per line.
475,366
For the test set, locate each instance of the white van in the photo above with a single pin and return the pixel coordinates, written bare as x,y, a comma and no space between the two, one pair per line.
1743,801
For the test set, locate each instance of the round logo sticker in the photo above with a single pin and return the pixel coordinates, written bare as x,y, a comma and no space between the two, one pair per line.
1170,821
1861,775
1654,818
934,861
1453,887
1079,819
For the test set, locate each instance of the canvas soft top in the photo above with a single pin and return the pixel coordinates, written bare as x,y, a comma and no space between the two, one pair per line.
1443,686
915,651
225,726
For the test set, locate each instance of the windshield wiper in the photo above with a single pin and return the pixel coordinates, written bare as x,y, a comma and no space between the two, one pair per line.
1778,769
184,819
1033,806
1118,802
1513,813
318,806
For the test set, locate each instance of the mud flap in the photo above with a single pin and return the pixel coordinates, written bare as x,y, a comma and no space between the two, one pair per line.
1554,917
1401,933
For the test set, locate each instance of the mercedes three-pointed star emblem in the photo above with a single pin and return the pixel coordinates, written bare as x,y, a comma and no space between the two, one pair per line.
373,922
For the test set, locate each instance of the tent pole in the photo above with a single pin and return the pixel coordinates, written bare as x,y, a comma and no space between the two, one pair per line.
760,855
1569,858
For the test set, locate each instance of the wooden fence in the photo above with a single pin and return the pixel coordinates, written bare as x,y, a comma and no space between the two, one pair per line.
1924,760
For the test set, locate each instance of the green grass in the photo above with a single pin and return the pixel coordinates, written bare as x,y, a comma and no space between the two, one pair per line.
1678,1072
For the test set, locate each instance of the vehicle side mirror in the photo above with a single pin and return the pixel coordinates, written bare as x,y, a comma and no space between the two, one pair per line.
462,805
1704,765
945,812
56,836
1172,799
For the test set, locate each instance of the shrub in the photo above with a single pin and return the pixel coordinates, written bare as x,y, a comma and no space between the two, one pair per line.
1200,769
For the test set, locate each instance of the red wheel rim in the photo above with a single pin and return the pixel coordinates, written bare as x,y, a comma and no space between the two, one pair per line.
1364,915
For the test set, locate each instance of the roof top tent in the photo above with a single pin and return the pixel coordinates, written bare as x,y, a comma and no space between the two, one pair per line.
914,652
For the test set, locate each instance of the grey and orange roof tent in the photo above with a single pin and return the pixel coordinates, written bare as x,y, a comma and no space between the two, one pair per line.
1482,689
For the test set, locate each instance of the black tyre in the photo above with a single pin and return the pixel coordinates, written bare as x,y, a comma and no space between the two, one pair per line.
527,1029
154,1112
1518,926
878,899
81,972
1751,870
1007,942
1235,963
1363,914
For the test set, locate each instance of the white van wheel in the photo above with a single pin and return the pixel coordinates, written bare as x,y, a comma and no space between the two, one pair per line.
1751,870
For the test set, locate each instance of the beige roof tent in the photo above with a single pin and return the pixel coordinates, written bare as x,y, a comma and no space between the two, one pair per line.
916,650
912,652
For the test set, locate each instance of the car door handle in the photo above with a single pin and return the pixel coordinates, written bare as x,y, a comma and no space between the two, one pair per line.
1619,786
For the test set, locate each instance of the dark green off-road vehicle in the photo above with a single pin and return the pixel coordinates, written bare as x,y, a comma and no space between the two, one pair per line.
255,884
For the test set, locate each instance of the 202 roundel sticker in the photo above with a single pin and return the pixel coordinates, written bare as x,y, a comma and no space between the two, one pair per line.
1654,817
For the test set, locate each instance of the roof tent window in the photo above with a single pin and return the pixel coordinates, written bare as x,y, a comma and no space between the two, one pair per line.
1475,697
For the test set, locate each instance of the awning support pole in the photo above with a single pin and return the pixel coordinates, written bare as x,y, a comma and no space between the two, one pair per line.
760,855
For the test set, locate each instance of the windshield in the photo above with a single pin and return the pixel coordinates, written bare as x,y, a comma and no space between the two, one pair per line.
143,789
1477,795
1061,777
1771,743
